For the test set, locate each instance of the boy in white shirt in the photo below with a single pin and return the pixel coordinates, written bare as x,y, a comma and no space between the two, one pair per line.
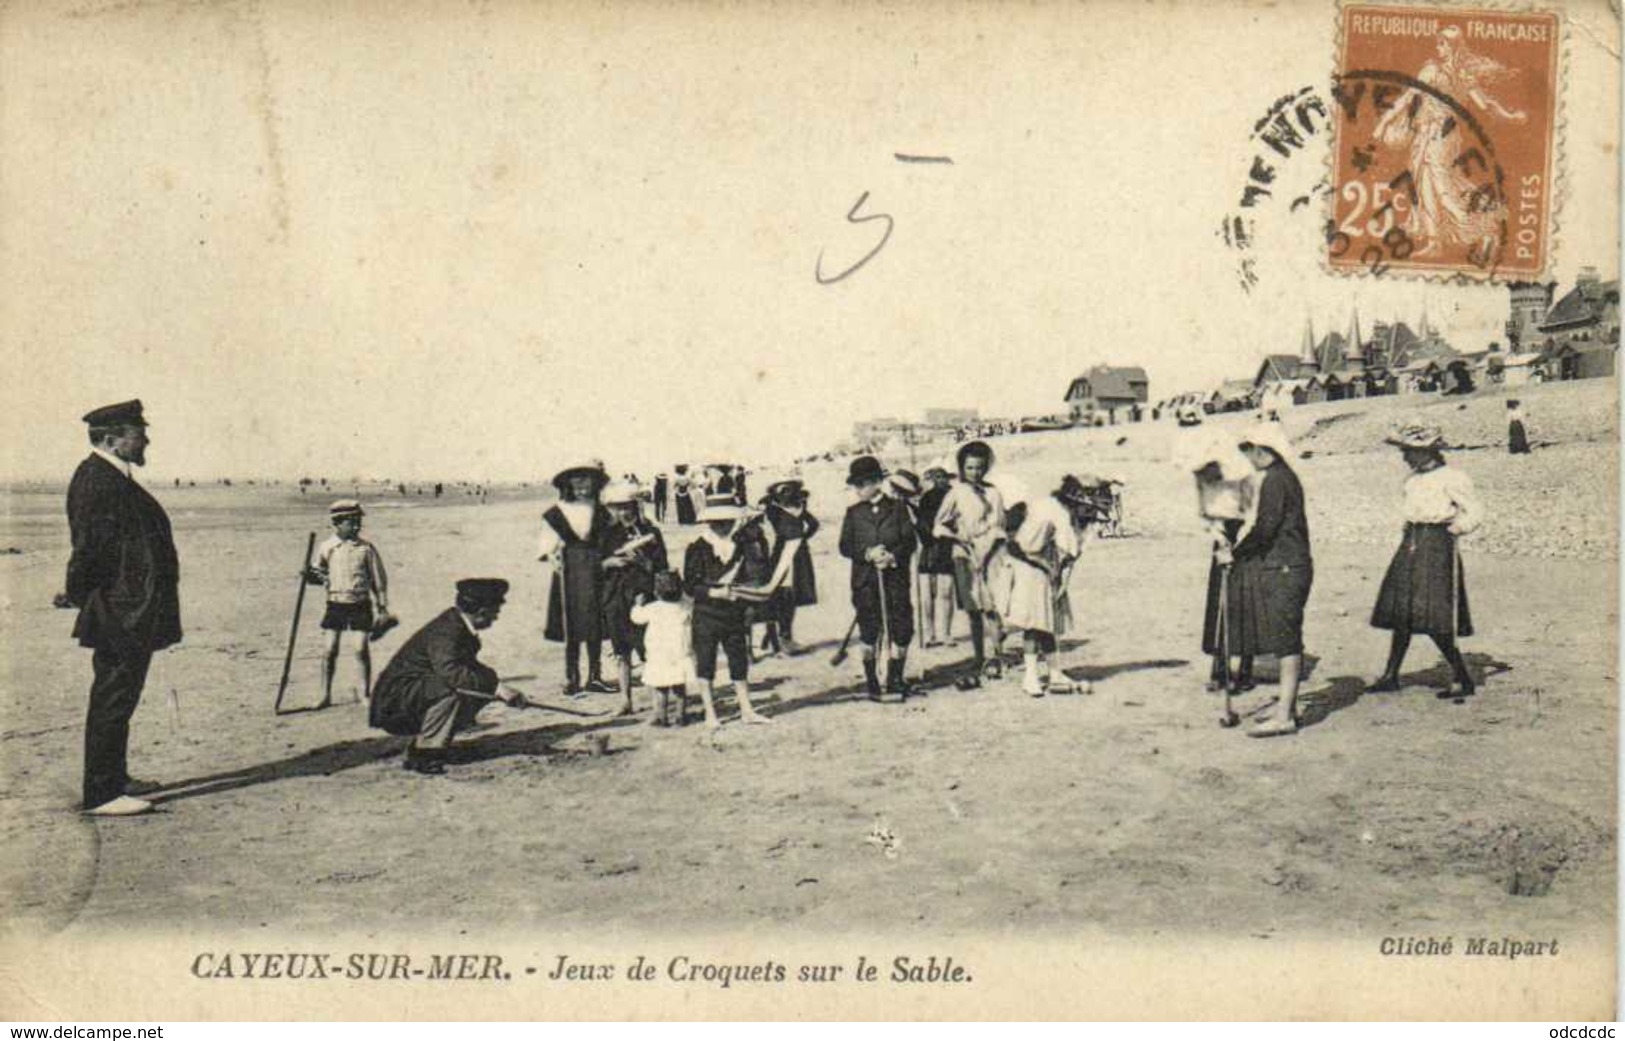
357,592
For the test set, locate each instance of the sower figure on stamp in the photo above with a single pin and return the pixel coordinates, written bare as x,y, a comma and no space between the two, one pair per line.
357,593
427,691
877,536
1423,590
634,553
972,516
573,534
124,577
786,505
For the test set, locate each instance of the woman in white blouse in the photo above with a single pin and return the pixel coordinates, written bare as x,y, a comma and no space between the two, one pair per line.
1424,591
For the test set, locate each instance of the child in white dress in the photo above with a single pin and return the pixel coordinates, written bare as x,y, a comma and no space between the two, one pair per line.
668,642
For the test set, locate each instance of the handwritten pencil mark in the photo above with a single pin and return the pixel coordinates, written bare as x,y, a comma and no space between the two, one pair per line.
852,216
905,157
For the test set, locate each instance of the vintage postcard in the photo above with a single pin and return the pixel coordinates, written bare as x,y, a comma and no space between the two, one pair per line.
815,510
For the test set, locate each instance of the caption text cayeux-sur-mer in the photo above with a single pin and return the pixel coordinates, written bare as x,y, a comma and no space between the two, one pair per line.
562,968
1473,946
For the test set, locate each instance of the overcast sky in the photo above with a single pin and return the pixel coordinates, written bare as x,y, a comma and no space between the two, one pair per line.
480,240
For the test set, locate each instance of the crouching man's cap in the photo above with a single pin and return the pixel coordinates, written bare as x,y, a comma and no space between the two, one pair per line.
483,592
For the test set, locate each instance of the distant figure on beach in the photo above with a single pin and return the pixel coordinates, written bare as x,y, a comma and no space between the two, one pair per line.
436,684
684,487
1424,590
357,592
573,534
661,494
123,576
1517,435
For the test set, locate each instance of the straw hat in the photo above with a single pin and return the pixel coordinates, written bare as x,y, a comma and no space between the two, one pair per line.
621,493
345,508
905,483
1417,435
562,479
720,508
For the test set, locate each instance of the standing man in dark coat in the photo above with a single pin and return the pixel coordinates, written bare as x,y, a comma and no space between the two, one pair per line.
430,689
878,536
123,577
662,497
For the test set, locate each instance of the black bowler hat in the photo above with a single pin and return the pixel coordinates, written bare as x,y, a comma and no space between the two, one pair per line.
865,469
123,414
482,592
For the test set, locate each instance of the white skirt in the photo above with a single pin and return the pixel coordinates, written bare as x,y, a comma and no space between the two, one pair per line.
1028,601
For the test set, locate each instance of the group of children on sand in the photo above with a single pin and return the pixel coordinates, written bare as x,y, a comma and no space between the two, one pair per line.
612,580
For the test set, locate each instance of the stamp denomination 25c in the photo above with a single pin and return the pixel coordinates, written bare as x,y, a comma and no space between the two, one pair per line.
1443,153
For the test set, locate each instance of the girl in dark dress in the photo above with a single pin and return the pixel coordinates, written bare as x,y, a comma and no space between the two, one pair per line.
936,561
1423,590
1272,572
786,505
1225,492
634,553
573,534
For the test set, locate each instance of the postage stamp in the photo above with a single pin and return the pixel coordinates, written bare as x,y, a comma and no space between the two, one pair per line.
1444,142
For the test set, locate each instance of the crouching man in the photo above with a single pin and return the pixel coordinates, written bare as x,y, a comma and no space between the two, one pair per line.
435,685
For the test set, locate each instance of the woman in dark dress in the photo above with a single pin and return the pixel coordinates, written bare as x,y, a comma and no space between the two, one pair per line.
573,534
786,504
634,553
1272,572
683,490
1517,434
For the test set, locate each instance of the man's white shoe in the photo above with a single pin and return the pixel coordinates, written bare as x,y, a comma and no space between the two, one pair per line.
123,806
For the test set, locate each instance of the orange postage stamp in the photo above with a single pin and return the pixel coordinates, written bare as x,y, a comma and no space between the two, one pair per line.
1443,154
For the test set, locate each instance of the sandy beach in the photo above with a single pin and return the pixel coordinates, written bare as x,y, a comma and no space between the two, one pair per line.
1131,811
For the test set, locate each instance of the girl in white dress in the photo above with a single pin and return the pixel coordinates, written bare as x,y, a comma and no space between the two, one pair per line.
1040,559
668,642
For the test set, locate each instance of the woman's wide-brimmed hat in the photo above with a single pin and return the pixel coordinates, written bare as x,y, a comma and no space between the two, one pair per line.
1216,451
1416,435
562,479
1267,435
865,469
720,508
976,448
905,483
621,493
1083,490
788,490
